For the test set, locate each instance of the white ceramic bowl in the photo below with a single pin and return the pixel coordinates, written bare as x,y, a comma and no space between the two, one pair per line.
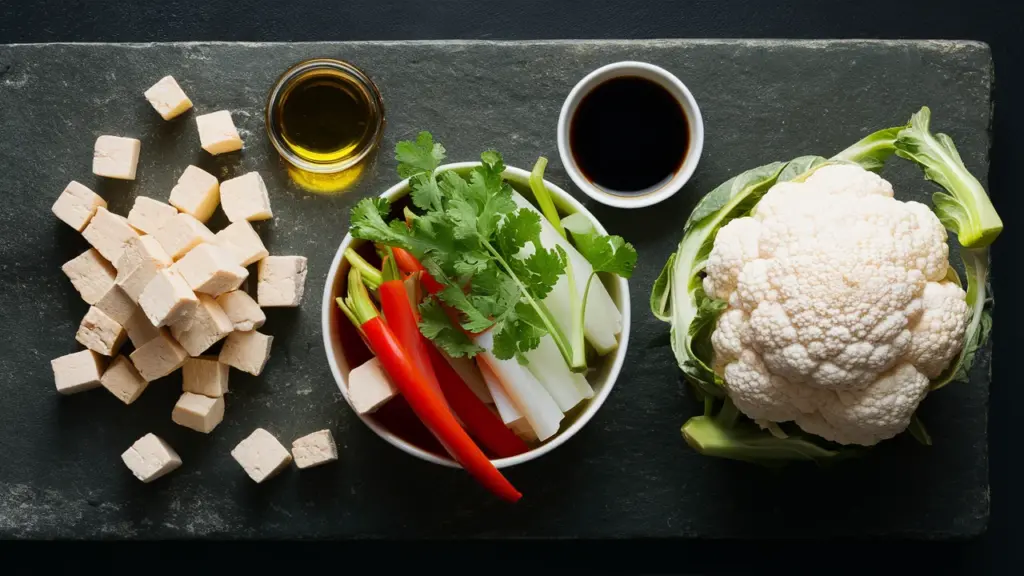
667,80
602,382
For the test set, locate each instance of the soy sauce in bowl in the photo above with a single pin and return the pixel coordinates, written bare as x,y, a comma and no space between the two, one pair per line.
629,136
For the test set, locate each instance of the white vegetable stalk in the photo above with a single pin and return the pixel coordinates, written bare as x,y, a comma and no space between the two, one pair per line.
507,410
523,389
603,321
566,387
470,374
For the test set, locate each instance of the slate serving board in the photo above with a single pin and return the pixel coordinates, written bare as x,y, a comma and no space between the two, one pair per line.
627,474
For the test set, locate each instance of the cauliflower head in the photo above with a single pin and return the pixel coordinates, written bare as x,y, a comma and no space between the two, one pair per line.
839,307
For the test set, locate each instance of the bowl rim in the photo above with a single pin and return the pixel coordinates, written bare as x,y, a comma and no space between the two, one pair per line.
568,203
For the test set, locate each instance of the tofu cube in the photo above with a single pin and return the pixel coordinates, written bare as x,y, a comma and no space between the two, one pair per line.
217,133
242,310
123,380
281,280
242,241
246,351
150,458
198,412
167,98
205,375
77,372
116,304
369,387
167,299
90,274
116,157
109,234
182,233
142,258
100,333
204,328
158,357
314,449
261,455
139,328
245,198
197,193
147,215
210,269
76,205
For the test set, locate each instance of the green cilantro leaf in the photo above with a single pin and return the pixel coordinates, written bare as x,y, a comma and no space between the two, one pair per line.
421,155
609,254
470,263
471,318
517,230
518,333
540,271
436,326
425,193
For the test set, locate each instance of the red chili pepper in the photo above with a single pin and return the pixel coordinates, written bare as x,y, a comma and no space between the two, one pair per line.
408,263
403,321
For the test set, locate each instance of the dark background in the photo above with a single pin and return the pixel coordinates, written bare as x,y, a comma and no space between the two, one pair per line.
998,22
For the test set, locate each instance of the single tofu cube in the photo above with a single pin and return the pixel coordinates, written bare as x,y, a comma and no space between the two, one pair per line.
369,387
281,280
205,375
142,258
109,234
116,304
261,455
167,98
167,299
76,205
150,458
182,233
100,333
246,351
242,310
198,412
139,328
147,215
197,193
314,449
204,328
90,274
217,133
123,380
210,269
245,198
158,357
242,241
116,157
77,372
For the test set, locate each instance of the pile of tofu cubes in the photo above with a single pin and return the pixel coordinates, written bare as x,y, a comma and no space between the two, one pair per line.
167,283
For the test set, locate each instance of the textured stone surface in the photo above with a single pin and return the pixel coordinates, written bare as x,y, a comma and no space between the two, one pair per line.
626,474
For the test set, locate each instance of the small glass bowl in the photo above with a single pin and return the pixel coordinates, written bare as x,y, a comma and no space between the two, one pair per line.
291,78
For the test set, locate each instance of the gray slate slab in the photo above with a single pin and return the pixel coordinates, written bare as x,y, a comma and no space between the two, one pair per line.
628,474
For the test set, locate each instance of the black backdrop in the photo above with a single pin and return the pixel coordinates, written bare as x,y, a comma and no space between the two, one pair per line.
998,22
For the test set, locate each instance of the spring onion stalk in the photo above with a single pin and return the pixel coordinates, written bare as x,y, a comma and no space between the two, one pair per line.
540,192
547,365
536,404
371,275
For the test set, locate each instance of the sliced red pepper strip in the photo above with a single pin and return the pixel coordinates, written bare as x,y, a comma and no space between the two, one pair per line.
403,321
408,263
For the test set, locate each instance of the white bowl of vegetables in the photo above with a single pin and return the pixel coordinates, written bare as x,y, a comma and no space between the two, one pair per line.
468,302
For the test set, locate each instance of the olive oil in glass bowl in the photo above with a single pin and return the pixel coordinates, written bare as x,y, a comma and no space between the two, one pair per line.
325,115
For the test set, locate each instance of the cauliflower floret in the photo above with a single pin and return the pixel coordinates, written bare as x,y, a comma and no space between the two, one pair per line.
837,309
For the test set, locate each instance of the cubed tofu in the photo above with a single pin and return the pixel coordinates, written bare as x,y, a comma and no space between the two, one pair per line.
167,98
140,330
246,351
147,214
245,198
204,328
123,380
198,412
158,357
76,205
314,449
109,233
77,372
150,458
90,274
205,375
182,233
116,157
116,304
281,281
141,260
243,311
100,333
210,269
217,133
261,455
197,193
369,387
242,241
167,298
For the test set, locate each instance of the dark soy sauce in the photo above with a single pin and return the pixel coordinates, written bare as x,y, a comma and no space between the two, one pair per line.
629,135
